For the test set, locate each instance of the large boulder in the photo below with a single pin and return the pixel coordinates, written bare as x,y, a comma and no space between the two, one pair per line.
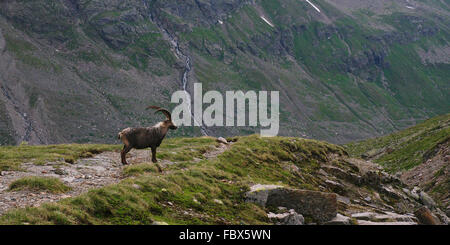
320,206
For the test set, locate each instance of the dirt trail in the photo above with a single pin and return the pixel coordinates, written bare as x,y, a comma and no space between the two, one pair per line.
95,172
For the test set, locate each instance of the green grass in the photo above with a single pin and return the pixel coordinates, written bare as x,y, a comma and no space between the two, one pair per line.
12,156
407,148
148,46
186,194
185,149
36,183
139,169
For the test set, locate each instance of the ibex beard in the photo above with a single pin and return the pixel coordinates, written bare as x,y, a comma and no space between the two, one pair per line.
146,137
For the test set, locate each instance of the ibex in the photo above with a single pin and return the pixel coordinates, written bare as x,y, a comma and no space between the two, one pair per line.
141,138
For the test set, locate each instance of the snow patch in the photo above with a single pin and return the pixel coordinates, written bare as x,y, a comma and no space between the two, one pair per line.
265,20
314,6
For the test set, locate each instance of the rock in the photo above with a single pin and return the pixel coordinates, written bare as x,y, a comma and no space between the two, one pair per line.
427,200
68,179
222,140
372,178
290,218
388,178
339,220
136,186
388,190
159,223
406,191
293,219
442,216
364,216
321,206
426,217
59,171
389,216
343,199
411,194
415,196
282,208
365,222
416,191
335,186
351,177
322,172
258,193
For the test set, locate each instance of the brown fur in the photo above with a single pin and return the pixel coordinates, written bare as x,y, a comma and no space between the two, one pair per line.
148,137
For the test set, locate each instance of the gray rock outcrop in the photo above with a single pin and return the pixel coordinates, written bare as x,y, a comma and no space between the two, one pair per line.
320,206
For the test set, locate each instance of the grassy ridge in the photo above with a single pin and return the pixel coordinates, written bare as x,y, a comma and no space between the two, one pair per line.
187,192
405,149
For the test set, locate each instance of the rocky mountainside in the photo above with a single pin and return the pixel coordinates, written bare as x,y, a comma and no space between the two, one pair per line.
244,180
419,155
78,71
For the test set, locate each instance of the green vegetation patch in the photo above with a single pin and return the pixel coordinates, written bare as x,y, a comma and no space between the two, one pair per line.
139,169
405,149
148,46
23,51
36,183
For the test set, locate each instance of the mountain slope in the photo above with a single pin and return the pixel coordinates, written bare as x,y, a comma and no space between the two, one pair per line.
420,153
78,71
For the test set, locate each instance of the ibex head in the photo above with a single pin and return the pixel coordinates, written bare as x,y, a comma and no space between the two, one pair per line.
167,123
